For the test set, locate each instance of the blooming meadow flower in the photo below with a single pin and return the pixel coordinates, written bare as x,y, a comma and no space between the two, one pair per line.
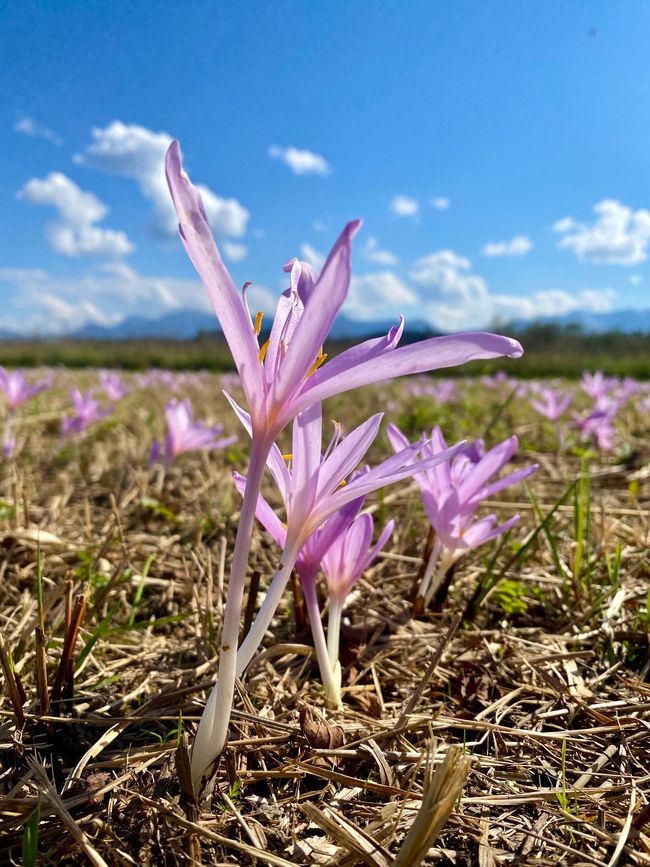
288,374
113,385
86,411
17,388
550,404
452,493
186,435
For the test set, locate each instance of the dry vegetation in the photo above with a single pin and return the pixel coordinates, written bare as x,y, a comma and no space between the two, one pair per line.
534,661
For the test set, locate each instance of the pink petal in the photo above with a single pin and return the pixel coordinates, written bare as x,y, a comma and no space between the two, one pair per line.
227,302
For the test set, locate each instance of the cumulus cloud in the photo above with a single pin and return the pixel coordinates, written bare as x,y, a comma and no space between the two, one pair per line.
373,253
74,232
301,162
619,235
441,203
517,246
404,206
234,252
103,295
381,289
313,256
28,126
138,153
454,298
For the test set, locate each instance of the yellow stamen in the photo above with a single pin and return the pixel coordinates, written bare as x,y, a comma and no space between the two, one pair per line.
319,360
287,457
342,483
258,322
264,350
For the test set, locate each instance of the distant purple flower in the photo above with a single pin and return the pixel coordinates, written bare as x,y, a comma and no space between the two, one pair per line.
17,389
186,435
550,404
596,384
113,385
597,426
86,411
452,492
627,389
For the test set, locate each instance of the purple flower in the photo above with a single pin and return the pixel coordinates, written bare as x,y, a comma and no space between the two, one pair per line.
551,405
598,426
597,384
452,493
288,374
313,490
113,385
17,389
86,411
187,435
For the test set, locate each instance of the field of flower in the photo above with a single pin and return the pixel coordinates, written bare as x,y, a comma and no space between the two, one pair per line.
494,713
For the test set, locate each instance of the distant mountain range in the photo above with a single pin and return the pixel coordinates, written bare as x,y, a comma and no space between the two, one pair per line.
186,324
627,321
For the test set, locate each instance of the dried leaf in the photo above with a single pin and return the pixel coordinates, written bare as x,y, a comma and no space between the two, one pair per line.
320,736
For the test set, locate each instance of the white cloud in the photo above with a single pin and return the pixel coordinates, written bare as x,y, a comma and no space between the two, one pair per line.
373,253
234,252
404,206
371,292
517,246
458,299
45,304
28,126
301,162
312,256
74,232
635,279
138,153
441,203
619,236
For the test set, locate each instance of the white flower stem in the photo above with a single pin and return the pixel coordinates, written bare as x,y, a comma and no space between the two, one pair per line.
213,726
330,670
428,572
447,558
334,629
271,601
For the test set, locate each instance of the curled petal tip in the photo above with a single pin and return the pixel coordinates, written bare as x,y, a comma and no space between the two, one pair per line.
517,350
353,227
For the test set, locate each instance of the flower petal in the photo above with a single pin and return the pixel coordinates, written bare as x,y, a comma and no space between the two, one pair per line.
305,462
321,307
347,455
228,305
490,463
432,354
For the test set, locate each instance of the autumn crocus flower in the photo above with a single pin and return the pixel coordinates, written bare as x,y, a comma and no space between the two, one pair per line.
313,489
113,385
17,389
451,494
186,435
86,411
340,548
598,426
550,404
288,373
596,384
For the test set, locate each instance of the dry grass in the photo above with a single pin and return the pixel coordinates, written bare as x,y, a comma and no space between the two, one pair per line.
530,675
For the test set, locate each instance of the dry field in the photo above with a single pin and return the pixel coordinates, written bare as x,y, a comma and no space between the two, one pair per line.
530,672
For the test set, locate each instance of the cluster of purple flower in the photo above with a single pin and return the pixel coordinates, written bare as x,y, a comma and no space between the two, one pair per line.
285,380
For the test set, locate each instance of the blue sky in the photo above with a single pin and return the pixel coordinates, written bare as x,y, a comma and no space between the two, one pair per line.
499,153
